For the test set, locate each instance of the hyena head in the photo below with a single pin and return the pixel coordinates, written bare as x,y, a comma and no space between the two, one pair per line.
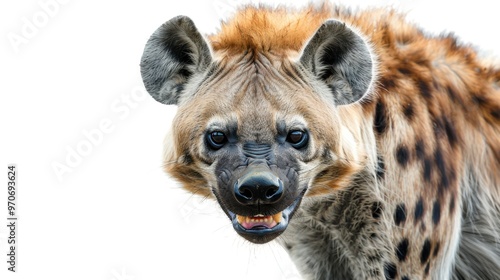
258,123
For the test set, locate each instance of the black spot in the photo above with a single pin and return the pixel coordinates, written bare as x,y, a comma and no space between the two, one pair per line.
405,70
419,210
387,82
436,250
373,236
420,149
438,127
402,155
380,167
390,271
405,278
426,251
496,113
376,209
450,132
441,166
426,270
400,214
424,89
188,159
322,173
436,212
380,121
402,250
479,100
408,111
427,170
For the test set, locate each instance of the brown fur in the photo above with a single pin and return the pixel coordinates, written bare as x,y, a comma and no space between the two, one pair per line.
277,31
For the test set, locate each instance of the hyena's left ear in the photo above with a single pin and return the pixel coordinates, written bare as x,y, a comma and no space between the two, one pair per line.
174,53
340,58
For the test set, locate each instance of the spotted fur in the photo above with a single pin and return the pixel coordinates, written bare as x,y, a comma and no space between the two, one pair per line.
401,175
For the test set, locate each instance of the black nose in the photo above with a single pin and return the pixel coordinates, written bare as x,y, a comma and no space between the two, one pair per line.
259,185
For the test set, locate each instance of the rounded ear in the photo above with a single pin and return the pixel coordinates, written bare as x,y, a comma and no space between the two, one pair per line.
339,57
175,52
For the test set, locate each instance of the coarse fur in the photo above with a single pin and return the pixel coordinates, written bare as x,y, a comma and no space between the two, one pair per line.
401,171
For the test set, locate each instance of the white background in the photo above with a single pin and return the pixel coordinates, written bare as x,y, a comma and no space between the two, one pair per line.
114,215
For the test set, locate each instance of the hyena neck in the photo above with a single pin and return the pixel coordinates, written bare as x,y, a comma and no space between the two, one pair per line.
340,236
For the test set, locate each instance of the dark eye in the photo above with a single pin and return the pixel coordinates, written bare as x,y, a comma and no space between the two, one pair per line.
297,138
216,139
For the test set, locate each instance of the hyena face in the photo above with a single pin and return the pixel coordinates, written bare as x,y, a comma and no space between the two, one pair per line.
258,127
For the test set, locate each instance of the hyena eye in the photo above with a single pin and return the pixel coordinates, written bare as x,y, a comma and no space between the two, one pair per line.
297,138
216,139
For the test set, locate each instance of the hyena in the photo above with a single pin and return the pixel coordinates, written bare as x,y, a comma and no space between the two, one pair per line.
371,148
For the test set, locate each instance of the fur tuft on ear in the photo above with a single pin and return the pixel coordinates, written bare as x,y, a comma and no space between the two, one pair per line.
339,57
174,53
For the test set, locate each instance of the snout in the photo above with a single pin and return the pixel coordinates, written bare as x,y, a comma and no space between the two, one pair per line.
262,202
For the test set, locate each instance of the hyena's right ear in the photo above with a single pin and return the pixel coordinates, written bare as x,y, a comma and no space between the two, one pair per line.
174,53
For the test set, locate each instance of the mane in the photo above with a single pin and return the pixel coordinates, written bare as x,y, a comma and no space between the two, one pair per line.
266,29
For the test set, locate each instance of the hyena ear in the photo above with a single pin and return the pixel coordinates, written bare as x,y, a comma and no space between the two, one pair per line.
174,53
340,58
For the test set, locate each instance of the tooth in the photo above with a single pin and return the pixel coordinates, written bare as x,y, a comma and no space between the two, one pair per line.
277,217
265,220
240,219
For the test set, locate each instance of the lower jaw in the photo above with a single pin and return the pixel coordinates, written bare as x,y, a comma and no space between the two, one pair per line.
260,236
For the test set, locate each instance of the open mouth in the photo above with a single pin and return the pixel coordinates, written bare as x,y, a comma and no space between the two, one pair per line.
259,221
262,228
